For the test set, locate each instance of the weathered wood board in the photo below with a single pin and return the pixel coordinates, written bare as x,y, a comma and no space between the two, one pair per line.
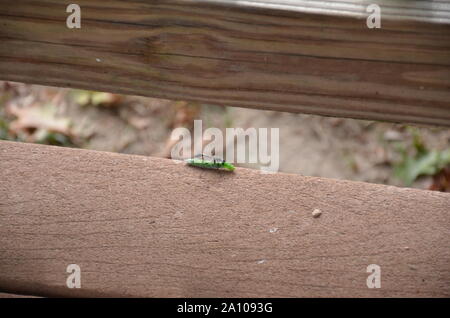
5,295
314,57
141,226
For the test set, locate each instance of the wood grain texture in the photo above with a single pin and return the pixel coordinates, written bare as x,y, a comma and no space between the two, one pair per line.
141,226
314,57
5,295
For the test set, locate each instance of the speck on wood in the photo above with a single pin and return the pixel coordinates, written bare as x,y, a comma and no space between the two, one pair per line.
316,213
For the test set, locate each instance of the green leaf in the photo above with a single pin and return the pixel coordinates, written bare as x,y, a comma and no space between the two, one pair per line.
4,130
424,163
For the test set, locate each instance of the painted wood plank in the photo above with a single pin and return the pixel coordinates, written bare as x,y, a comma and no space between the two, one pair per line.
142,226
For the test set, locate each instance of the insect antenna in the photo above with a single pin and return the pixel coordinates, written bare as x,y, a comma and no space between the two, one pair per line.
203,156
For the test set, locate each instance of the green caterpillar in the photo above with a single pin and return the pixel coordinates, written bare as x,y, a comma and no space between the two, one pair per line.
211,163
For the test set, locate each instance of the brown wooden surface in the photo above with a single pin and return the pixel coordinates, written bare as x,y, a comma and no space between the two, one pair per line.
297,56
141,226
5,295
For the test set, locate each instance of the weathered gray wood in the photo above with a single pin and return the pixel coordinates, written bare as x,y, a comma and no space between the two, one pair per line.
313,57
140,226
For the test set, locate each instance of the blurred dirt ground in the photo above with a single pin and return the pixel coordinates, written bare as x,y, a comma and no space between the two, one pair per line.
309,145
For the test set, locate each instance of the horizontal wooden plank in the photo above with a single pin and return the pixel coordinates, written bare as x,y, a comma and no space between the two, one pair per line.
314,57
5,295
393,10
142,226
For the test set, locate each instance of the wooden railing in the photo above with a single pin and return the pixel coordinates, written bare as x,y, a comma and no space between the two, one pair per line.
141,226
299,57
